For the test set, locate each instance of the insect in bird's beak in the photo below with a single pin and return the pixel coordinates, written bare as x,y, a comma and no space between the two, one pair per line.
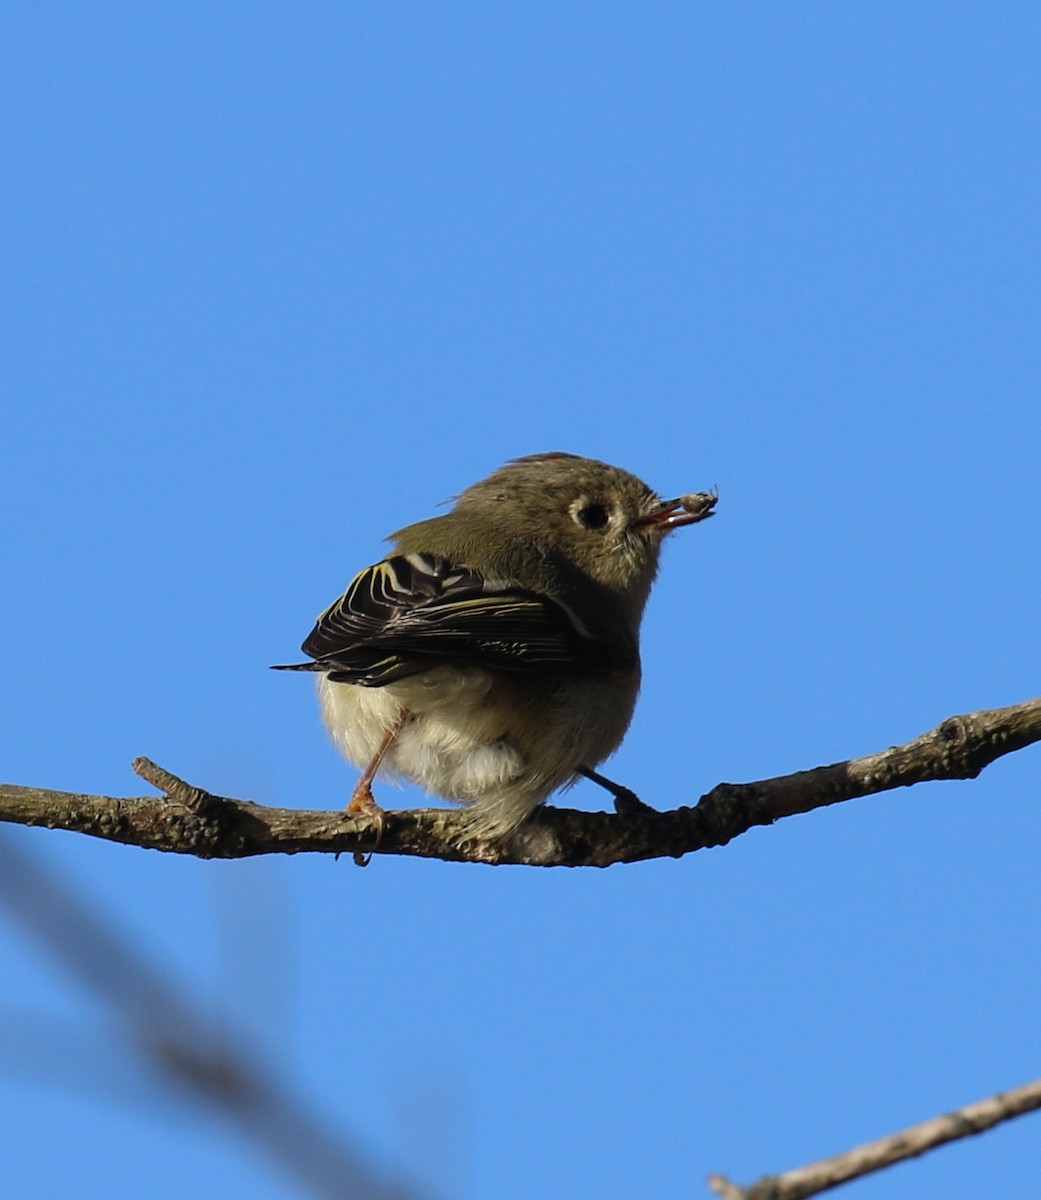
684,510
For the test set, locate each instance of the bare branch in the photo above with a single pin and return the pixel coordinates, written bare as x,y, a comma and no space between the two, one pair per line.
189,820
897,1147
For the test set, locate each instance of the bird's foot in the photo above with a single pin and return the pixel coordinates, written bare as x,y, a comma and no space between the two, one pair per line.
626,801
364,803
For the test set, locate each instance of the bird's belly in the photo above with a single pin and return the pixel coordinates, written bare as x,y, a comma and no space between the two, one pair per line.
497,741
454,740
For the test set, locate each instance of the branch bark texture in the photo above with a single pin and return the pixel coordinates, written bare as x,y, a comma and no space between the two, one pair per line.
897,1147
190,820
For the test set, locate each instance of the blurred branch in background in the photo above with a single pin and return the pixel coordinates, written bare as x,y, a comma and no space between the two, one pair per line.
171,1035
190,820
897,1147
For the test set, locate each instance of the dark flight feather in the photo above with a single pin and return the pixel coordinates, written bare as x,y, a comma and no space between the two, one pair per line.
412,611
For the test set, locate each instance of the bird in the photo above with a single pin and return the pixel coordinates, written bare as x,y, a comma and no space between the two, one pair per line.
493,657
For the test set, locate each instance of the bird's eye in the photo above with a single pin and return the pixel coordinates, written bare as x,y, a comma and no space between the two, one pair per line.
594,516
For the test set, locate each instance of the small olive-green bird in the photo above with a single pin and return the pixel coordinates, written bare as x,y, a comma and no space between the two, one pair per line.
494,656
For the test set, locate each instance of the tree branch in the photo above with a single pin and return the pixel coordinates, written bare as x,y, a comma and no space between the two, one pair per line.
189,820
897,1147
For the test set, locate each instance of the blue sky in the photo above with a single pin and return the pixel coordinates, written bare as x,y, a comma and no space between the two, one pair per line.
278,281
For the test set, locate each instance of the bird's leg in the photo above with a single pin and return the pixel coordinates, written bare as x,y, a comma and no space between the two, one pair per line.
362,799
626,801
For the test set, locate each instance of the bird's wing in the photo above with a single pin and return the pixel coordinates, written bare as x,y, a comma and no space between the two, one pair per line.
405,614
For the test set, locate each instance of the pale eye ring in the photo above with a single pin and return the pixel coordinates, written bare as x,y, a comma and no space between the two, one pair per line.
595,515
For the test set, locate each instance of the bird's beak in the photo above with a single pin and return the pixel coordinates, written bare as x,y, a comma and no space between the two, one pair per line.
685,510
